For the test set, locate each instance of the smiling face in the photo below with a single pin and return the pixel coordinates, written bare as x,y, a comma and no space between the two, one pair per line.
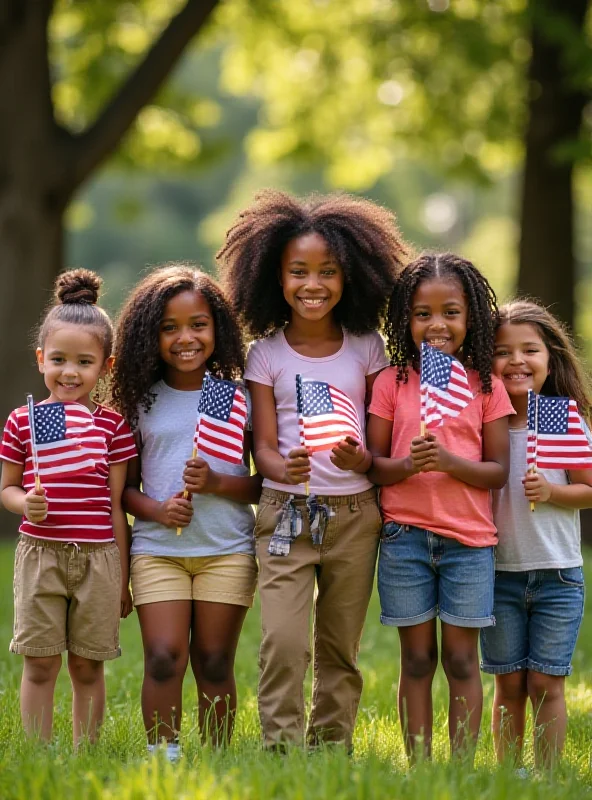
520,358
71,361
310,276
186,339
439,315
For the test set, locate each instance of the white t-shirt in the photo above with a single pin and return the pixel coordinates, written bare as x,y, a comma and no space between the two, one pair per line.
273,362
546,538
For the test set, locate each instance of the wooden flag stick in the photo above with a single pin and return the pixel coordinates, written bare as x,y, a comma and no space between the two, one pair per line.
186,493
536,438
35,457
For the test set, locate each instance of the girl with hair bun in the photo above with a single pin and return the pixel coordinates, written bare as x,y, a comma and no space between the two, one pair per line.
71,565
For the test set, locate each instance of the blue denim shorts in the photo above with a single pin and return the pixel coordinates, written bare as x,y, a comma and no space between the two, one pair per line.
538,616
422,575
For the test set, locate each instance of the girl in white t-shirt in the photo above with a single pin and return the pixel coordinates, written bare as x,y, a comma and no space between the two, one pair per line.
310,280
539,585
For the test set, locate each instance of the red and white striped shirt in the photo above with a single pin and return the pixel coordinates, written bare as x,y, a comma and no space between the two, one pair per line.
79,506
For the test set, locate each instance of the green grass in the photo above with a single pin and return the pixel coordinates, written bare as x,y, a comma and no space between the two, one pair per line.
118,768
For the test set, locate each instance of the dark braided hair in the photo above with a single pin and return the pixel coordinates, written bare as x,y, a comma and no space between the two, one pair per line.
362,236
138,364
477,349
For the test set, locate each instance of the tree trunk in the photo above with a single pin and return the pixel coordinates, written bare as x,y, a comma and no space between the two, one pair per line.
547,265
31,198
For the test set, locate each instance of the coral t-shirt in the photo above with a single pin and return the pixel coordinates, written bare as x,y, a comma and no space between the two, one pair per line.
435,500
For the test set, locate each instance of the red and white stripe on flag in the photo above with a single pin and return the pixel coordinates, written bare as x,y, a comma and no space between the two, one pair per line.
444,387
67,440
568,449
222,418
326,416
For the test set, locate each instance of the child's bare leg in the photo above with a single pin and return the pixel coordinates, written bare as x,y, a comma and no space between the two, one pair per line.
88,696
419,659
37,688
509,715
547,694
165,629
214,639
460,659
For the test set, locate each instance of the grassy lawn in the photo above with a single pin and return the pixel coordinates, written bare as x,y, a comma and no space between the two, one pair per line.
118,766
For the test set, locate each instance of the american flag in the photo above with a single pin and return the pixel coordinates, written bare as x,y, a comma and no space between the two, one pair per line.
65,440
444,387
221,420
556,435
326,415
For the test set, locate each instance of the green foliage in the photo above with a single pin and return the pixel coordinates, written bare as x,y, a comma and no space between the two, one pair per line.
360,85
119,769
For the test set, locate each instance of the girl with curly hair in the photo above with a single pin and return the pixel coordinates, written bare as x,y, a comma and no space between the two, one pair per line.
539,584
310,279
436,552
192,590
71,579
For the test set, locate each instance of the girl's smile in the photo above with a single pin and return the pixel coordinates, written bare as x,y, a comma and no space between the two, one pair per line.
520,359
439,315
311,278
186,339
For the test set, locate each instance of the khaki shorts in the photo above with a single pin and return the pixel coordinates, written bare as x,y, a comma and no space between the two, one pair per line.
67,596
215,579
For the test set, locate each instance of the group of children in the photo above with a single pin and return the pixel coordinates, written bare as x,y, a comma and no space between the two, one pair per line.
310,283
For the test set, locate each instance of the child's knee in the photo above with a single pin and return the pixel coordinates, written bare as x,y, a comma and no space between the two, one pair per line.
419,663
214,667
84,670
543,688
42,670
461,666
162,664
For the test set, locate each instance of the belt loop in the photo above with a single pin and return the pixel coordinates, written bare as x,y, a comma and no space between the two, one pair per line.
353,503
74,545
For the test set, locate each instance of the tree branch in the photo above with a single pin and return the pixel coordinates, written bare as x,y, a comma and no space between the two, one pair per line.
96,143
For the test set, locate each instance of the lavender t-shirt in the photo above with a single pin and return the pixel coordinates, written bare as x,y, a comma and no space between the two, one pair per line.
273,362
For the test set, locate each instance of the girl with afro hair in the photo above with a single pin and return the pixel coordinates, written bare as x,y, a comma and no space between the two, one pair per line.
436,552
191,590
310,279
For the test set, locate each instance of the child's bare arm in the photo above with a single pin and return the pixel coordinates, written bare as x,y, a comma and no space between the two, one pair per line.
385,470
200,478
121,532
270,463
31,504
576,494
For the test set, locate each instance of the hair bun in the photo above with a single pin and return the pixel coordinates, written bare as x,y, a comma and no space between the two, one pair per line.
78,286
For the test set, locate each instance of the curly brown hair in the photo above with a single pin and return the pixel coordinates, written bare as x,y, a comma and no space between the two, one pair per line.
138,365
477,349
362,236
567,376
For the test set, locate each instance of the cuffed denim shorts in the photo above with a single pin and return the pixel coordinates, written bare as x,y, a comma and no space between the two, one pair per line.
422,575
538,617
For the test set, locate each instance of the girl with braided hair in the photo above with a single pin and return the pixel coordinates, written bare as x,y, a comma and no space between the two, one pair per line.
436,552
192,590
310,279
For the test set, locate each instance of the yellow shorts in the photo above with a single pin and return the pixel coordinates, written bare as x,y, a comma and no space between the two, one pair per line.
215,579
67,596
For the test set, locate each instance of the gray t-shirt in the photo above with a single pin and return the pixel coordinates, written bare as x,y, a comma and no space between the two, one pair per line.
219,526
546,538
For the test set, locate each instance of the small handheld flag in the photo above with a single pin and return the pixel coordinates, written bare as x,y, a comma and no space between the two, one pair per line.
31,411
556,435
326,415
221,420
64,440
444,387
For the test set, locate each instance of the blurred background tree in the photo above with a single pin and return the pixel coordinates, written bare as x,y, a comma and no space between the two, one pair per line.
469,117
